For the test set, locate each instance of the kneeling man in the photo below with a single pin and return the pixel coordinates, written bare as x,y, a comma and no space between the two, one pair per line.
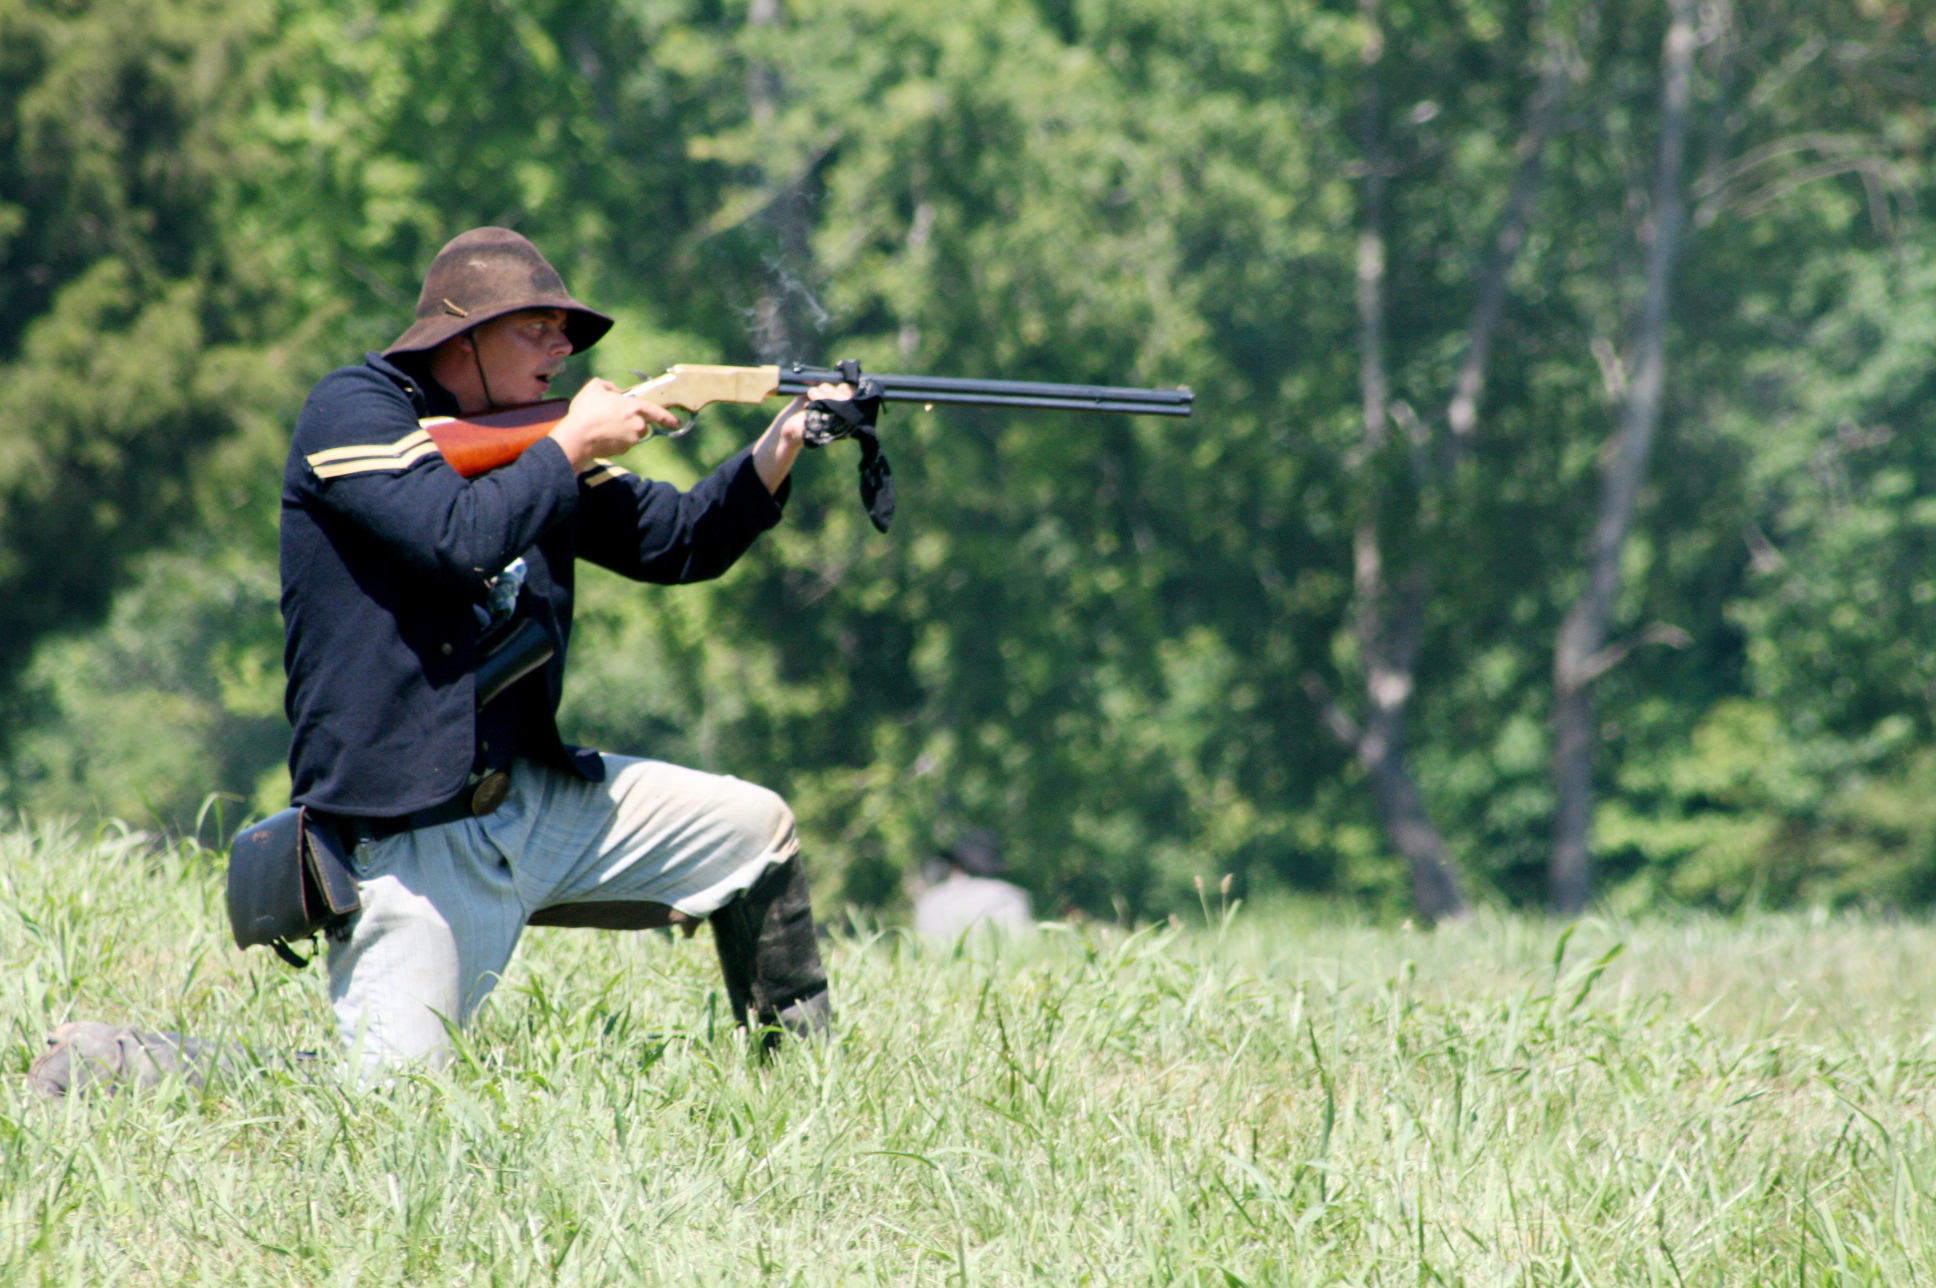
470,821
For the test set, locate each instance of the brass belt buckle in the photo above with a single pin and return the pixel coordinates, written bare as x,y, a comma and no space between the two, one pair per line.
490,793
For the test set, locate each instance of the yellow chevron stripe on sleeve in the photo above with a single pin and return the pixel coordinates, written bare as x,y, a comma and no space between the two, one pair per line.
362,451
372,464
605,473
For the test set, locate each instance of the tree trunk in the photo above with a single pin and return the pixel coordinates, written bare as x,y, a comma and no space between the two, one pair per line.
1388,635
1387,643
1435,884
1581,655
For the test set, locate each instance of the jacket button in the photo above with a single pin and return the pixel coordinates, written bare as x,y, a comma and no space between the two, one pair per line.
446,650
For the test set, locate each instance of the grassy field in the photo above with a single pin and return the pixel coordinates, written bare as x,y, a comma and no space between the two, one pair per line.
1270,1100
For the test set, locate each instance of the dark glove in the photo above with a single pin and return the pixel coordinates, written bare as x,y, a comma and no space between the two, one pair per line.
831,419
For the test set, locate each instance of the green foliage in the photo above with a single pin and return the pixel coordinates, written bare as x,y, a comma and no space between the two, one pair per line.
1096,635
1063,639
1273,1100
131,324
1819,787
179,692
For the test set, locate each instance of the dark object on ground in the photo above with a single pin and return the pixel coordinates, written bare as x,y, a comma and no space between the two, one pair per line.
87,1055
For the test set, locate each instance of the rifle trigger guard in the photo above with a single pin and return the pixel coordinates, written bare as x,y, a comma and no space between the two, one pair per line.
680,432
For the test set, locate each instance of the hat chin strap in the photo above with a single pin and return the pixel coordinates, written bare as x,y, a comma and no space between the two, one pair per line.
490,403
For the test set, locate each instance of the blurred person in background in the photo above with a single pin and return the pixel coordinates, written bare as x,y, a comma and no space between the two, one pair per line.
964,892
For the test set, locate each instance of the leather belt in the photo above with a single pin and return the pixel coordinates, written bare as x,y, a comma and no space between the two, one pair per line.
476,800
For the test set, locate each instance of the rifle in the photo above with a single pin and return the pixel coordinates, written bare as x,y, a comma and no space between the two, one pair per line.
476,444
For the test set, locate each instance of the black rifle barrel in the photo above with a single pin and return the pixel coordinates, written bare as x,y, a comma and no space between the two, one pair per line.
795,378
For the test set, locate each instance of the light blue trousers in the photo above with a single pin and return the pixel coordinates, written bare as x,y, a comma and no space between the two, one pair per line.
443,906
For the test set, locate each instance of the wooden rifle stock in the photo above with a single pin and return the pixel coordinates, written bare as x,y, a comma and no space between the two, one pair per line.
474,445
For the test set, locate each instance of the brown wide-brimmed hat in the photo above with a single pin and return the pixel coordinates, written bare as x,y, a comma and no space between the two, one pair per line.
484,274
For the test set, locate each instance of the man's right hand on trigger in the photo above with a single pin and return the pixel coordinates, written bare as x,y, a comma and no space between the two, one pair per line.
604,420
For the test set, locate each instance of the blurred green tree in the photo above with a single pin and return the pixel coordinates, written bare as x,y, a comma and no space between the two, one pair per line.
1117,641
136,328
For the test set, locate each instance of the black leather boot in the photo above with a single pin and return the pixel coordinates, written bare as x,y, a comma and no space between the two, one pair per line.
770,958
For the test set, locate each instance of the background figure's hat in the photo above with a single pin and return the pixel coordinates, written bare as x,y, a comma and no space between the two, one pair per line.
484,274
978,852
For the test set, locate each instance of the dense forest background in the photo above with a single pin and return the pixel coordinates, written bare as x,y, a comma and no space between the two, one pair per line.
1557,520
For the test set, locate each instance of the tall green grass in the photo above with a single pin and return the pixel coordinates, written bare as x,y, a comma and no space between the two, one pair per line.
1266,1100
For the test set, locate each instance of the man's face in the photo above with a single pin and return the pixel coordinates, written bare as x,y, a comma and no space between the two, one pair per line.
521,352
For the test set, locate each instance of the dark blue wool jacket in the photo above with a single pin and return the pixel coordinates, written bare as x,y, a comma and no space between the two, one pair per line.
385,549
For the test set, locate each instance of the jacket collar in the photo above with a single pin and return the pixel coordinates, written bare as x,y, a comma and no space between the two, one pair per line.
429,397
